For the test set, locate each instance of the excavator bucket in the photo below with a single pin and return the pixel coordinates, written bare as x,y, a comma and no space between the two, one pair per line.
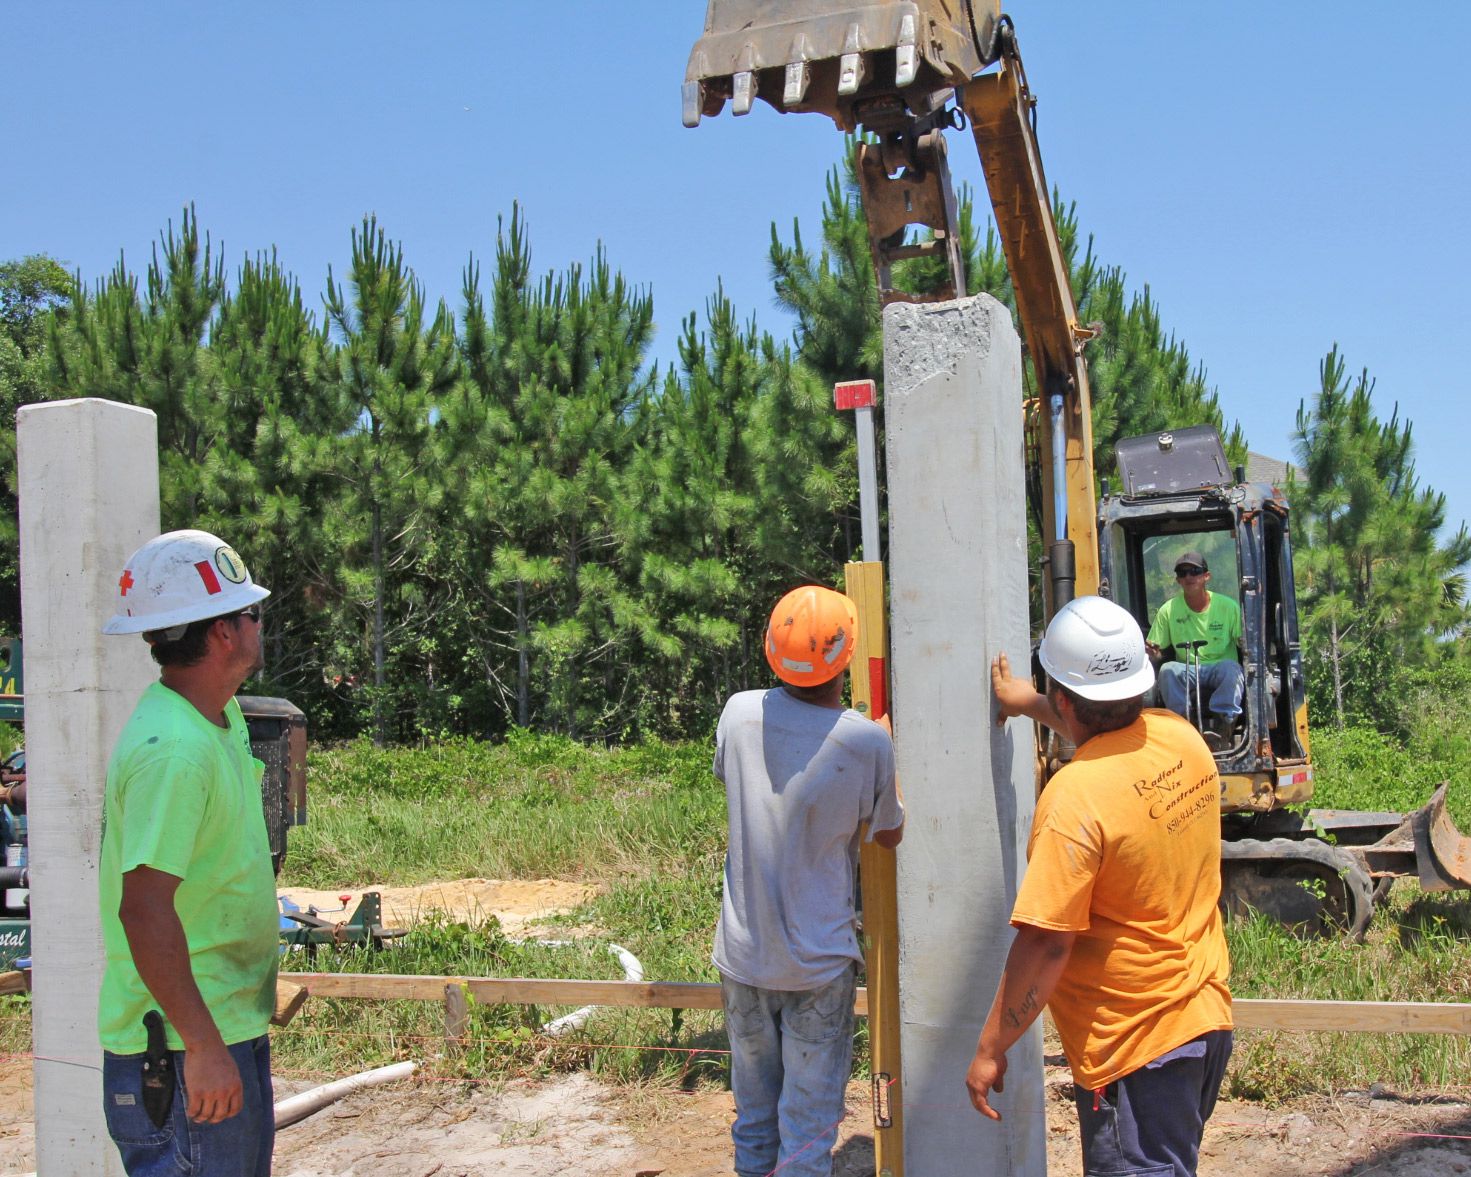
1442,852
847,60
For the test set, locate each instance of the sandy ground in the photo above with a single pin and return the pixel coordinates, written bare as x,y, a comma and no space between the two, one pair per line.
571,1126
515,902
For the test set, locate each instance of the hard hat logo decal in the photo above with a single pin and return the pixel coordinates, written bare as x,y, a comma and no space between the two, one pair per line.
1109,664
231,566
125,582
207,574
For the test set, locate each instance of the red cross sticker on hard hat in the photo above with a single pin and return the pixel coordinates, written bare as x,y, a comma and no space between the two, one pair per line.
126,581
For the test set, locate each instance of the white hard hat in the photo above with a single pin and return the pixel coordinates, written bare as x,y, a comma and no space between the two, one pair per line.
179,577
1095,649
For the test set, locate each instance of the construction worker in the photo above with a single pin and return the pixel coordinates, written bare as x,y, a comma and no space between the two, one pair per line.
1204,630
1118,931
189,918
802,774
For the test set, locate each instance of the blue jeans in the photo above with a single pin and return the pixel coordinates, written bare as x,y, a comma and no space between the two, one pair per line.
237,1147
1220,688
790,1057
1149,1123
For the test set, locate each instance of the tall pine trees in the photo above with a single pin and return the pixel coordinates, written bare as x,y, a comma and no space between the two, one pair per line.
1380,587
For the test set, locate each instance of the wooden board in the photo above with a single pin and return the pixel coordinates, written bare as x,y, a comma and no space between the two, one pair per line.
290,997
877,873
523,990
1341,1017
1354,1017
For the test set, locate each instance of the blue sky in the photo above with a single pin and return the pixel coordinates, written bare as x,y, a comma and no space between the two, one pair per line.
1283,177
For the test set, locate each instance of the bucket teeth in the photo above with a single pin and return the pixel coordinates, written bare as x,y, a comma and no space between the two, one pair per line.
691,102
745,92
851,69
797,79
906,53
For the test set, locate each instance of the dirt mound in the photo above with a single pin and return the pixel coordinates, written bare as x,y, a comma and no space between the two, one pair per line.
514,902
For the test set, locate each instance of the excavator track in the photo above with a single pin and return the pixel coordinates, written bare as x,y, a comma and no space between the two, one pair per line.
1304,883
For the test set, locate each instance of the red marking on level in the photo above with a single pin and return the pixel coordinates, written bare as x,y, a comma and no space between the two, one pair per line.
878,689
854,394
207,574
126,581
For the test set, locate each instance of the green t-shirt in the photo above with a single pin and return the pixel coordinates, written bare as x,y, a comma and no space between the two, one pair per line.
1219,625
183,796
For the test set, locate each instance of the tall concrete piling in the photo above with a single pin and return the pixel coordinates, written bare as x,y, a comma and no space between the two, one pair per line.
958,588
88,474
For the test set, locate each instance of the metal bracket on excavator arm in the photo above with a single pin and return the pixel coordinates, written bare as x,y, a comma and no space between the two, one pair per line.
919,194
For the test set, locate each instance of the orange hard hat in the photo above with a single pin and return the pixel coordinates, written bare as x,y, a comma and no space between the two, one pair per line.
812,635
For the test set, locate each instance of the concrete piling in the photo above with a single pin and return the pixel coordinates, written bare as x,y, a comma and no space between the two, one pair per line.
958,588
88,481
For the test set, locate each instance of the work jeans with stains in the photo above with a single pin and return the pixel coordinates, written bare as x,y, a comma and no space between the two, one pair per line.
1220,688
237,1147
790,1056
1149,1123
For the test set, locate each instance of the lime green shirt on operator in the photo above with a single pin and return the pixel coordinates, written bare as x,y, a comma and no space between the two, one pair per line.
183,797
1219,625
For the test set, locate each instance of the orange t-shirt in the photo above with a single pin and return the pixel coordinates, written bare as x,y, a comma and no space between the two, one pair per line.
1126,852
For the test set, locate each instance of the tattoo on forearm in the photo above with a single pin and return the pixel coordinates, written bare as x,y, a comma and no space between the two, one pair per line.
1016,1018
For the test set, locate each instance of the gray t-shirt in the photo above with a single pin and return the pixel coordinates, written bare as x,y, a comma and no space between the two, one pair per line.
799,780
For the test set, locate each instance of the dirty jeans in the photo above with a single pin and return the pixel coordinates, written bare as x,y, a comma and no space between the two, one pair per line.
790,1055
237,1147
1220,688
1149,1123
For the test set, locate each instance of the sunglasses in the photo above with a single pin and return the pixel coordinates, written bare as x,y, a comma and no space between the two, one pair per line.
254,613
1182,573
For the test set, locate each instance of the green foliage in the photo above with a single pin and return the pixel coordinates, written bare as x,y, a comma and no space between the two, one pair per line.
646,824
1381,591
1417,949
34,291
505,517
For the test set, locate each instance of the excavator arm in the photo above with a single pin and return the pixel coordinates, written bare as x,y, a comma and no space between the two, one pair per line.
903,72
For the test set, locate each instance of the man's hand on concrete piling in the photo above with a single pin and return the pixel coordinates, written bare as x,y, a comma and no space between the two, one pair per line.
987,1073
1017,696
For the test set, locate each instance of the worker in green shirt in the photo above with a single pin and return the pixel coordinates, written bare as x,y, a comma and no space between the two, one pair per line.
1202,631
187,893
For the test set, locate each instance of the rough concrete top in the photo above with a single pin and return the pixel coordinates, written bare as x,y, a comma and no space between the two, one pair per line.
925,338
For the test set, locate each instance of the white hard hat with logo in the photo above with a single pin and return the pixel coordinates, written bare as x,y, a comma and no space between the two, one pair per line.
179,577
1095,649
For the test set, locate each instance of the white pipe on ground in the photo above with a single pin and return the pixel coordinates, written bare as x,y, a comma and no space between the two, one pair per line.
633,970
298,1107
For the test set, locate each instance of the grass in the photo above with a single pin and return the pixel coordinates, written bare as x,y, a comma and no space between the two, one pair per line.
647,823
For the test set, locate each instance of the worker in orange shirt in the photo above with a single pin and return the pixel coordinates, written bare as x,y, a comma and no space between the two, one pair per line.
1118,930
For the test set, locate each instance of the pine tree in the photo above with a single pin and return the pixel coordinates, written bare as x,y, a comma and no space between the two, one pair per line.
33,291
555,377
1381,592
391,366
150,349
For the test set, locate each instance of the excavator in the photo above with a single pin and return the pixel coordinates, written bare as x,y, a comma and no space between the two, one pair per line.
900,74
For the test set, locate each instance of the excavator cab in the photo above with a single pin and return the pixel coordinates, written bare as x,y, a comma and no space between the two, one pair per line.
1321,870
1179,494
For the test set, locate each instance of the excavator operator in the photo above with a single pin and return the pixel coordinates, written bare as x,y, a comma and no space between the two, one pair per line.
1204,629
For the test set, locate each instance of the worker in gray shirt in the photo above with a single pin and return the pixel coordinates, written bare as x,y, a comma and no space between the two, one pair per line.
802,775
